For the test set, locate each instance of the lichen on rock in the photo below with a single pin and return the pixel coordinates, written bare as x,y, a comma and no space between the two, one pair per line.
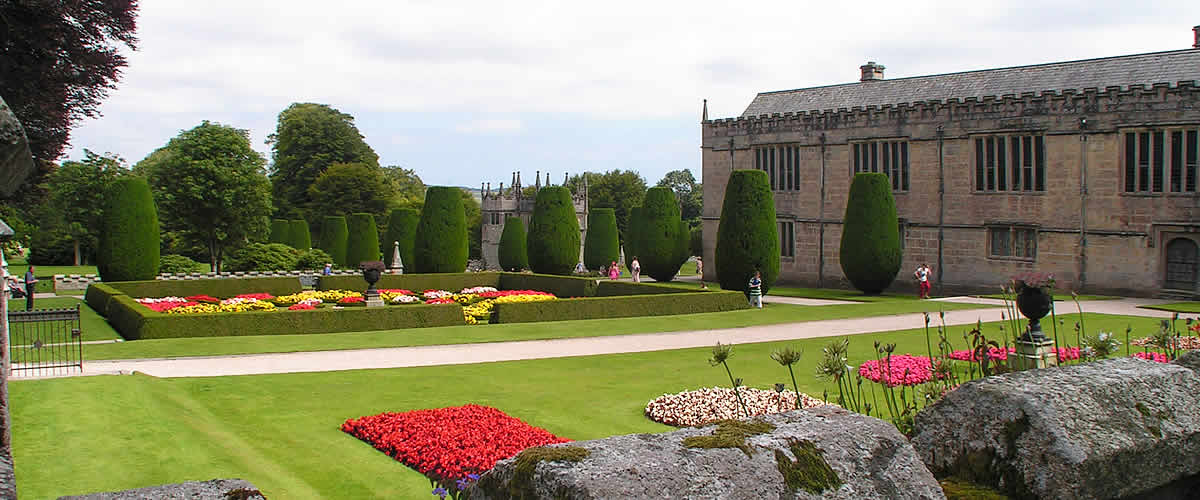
730,434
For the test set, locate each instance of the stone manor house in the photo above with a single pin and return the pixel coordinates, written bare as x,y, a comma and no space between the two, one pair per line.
1085,169
496,206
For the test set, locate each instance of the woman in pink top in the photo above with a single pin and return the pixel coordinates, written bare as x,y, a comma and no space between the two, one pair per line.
614,271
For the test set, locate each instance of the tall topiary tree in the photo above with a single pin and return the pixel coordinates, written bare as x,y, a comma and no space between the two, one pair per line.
553,239
601,246
301,239
747,236
333,239
281,232
513,254
662,236
441,238
870,252
402,227
129,241
632,234
362,243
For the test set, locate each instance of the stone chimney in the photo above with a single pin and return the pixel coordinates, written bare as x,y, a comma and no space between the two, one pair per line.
1196,34
871,72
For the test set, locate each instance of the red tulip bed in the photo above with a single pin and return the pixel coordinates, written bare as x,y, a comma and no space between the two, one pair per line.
448,444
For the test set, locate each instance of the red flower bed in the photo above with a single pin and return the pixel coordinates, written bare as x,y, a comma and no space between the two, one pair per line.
301,307
999,354
204,298
1152,356
167,305
258,296
352,300
443,300
397,291
446,444
503,293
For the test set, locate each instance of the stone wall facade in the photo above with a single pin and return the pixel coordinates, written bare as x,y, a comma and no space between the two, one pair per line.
1092,234
499,205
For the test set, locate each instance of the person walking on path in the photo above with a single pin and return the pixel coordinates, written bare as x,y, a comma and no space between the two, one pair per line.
614,272
29,281
636,269
756,290
328,269
699,266
922,276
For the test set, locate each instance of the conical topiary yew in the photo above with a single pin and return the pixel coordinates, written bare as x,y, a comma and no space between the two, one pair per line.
747,237
661,243
362,242
402,228
301,238
601,246
870,251
333,238
129,237
633,235
512,253
553,239
281,232
441,239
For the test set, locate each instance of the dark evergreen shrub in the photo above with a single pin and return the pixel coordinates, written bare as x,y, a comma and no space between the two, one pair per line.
870,251
262,257
175,263
601,247
129,238
301,239
281,232
333,239
662,236
362,245
553,239
402,228
696,245
312,259
440,245
747,237
632,235
513,255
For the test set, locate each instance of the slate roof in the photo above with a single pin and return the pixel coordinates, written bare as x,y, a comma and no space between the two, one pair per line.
1124,71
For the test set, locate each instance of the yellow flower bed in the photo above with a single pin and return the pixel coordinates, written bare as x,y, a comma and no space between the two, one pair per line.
260,305
478,310
512,299
325,296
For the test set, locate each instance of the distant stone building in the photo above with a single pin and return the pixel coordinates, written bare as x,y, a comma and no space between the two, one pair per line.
1087,169
496,206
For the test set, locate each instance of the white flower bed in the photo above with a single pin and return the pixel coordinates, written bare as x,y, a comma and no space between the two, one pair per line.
478,289
706,405
436,294
238,300
405,299
152,300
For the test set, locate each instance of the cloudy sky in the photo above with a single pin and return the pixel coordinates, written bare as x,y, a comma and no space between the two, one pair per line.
470,91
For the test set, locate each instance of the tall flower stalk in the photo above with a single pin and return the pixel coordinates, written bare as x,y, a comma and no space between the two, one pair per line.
720,356
788,357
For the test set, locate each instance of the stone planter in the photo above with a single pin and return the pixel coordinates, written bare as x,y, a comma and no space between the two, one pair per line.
1034,303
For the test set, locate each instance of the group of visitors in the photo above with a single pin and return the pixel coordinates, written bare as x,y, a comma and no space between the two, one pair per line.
614,271
16,292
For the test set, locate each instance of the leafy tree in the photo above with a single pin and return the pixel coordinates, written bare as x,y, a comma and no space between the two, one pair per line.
174,263
870,251
128,233
300,237
747,237
662,238
407,188
600,247
312,259
59,60
362,244
402,228
23,232
553,239
281,231
211,187
619,190
441,241
77,193
309,139
689,192
263,257
334,236
513,254
346,188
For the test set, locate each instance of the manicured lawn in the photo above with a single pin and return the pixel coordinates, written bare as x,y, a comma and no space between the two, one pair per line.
1183,307
465,334
93,326
1061,296
281,432
815,293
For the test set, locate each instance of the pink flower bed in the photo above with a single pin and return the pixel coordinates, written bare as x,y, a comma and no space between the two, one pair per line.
1152,356
164,304
505,293
904,369
255,296
443,300
999,354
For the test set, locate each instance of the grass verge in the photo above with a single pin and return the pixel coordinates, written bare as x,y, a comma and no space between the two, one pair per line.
92,325
1181,307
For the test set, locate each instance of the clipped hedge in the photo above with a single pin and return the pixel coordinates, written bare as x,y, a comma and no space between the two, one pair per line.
441,239
553,239
747,237
282,285
281,232
362,244
333,239
618,307
98,295
870,251
601,246
136,322
560,286
402,228
300,237
129,236
610,288
512,253
415,282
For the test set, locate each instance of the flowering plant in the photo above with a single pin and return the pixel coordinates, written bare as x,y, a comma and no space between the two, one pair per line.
443,300
1033,280
899,369
405,299
435,294
250,305
1152,356
164,304
255,296
478,289
706,405
203,298
301,306
352,301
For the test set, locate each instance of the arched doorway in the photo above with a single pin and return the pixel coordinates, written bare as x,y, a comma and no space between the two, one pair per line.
1181,264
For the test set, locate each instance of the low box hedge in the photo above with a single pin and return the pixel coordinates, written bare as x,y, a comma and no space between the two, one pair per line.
98,295
416,282
560,286
146,324
612,288
226,287
619,307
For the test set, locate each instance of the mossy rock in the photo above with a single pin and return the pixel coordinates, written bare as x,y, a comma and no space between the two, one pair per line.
809,471
730,434
961,489
521,484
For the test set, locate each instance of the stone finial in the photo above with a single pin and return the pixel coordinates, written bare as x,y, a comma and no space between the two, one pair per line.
704,113
537,179
547,178
1196,34
566,177
871,72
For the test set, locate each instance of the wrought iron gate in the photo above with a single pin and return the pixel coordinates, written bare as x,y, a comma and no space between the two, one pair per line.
1181,264
45,342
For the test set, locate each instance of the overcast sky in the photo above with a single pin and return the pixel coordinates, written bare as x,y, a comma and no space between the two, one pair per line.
470,91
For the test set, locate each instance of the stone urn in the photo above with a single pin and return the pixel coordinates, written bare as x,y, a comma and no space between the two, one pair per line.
372,270
1034,302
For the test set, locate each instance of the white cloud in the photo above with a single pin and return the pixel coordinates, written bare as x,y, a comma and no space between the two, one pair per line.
490,126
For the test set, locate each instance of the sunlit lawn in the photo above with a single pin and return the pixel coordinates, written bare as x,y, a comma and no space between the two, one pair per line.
1183,307
281,432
